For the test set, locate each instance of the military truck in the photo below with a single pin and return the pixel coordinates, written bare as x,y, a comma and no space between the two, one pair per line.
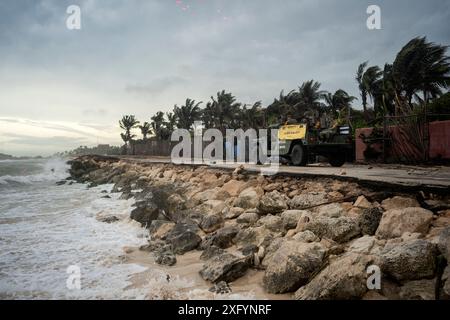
301,143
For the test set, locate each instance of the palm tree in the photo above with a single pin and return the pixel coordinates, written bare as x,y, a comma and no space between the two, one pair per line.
223,111
145,130
158,124
310,94
253,117
361,85
124,137
187,114
384,93
283,106
209,116
171,122
370,79
127,123
420,67
338,101
367,82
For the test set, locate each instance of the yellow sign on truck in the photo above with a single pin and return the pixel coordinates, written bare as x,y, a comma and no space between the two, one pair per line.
292,132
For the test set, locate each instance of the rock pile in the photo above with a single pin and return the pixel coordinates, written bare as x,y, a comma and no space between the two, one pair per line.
315,238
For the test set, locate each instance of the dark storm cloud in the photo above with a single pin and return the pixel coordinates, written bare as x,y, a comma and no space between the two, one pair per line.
163,53
248,46
156,87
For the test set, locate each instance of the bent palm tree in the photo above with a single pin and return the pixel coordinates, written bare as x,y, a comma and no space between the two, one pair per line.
252,118
127,123
310,94
338,101
361,85
171,122
226,111
145,130
421,66
367,82
187,114
158,124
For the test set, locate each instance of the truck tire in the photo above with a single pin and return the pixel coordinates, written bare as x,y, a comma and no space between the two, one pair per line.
298,155
336,161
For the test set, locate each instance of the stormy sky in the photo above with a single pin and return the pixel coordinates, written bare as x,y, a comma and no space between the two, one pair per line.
61,88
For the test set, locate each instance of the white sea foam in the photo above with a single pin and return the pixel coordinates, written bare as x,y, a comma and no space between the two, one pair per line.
51,170
45,228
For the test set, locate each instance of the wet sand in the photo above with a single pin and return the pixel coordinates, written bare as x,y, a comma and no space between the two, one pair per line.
184,282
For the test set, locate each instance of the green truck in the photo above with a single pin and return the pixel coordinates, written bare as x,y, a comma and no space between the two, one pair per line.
299,144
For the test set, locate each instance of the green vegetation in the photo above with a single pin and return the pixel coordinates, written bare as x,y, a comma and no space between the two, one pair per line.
414,82
127,123
101,149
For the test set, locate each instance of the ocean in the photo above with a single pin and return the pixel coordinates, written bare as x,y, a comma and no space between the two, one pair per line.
52,246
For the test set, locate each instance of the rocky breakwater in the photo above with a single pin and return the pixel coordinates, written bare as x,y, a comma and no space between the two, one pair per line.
315,238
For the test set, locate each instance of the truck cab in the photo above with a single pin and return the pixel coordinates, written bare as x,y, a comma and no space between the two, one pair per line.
301,143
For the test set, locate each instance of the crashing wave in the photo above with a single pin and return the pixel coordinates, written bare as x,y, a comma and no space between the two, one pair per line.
52,170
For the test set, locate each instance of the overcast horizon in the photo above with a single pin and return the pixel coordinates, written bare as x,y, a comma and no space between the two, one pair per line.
65,88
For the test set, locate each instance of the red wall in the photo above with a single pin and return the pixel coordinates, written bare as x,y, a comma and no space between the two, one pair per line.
439,140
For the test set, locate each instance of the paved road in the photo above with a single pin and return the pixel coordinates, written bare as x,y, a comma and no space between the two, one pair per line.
390,175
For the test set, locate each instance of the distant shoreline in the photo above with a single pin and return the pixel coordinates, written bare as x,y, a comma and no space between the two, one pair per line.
10,157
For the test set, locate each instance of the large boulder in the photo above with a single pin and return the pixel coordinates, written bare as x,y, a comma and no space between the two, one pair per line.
225,267
233,213
344,278
410,260
340,229
273,202
222,238
305,219
362,245
208,194
273,186
258,236
176,202
292,266
249,198
209,180
307,200
212,207
211,222
306,236
145,213
362,203
291,218
398,202
165,258
395,222
185,242
210,252
162,251
183,237
268,251
444,243
272,223
332,210
248,218
369,220
159,229
233,187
